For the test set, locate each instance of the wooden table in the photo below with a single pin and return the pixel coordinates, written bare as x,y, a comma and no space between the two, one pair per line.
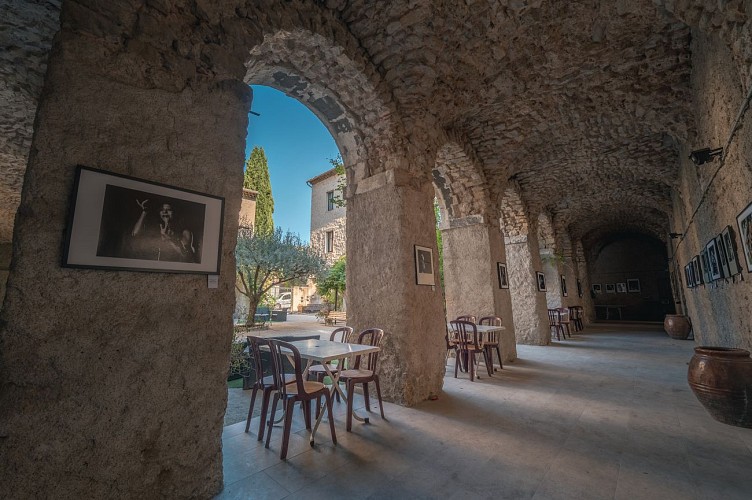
608,307
483,329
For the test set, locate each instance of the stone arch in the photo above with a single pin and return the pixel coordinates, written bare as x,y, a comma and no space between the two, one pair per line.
514,217
546,234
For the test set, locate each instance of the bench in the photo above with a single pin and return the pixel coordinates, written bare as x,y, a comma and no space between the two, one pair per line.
334,316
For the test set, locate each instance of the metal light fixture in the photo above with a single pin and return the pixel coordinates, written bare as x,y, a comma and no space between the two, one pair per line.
673,236
704,155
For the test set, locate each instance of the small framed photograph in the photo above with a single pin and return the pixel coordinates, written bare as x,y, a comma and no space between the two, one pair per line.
501,270
621,288
564,286
541,279
729,245
722,257
597,288
610,288
744,221
579,288
688,275
697,270
424,266
714,264
703,268
633,285
123,223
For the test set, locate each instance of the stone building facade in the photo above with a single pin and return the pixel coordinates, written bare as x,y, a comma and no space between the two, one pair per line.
328,218
551,126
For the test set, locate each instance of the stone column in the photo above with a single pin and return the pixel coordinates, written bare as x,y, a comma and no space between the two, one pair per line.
388,214
588,306
472,250
113,383
551,269
528,304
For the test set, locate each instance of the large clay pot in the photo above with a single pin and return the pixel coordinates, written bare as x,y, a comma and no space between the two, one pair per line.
677,326
721,379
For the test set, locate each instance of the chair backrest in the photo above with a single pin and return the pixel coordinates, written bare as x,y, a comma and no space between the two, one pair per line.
258,361
372,337
574,312
342,334
553,317
563,314
490,321
468,318
280,351
465,335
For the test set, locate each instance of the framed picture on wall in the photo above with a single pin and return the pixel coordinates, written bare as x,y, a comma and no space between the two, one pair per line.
621,288
501,270
564,285
703,267
541,280
633,285
714,264
610,288
729,245
579,288
744,221
688,275
697,270
123,223
424,266
597,288
722,257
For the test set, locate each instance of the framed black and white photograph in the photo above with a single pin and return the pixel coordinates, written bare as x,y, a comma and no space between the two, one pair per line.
579,288
597,288
729,245
564,286
714,265
610,288
424,266
697,271
541,280
688,275
703,267
621,288
722,257
744,221
633,285
501,270
123,223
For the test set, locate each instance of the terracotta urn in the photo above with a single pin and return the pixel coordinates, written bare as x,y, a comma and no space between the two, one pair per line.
677,326
721,379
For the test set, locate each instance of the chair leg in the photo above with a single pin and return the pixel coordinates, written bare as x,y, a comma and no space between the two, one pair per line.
456,363
328,398
350,397
264,408
288,425
471,362
250,408
378,393
307,412
498,353
365,396
271,420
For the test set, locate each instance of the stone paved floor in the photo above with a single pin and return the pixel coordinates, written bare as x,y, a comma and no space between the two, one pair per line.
607,414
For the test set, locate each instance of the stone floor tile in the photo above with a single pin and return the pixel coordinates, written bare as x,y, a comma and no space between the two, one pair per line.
258,486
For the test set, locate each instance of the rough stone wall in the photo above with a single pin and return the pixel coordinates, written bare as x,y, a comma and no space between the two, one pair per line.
711,196
25,37
586,301
5,255
339,243
320,215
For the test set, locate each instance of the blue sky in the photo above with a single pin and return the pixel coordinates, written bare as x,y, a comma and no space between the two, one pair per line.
297,147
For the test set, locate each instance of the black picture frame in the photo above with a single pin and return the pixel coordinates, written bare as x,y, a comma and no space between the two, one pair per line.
732,257
697,270
579,288
714,264
540,280
722,257
122,223
564,286
633,285
744,224
621,288
597,288
610,288
424,274
501,271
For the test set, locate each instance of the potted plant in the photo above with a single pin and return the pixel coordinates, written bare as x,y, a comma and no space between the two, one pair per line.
241,364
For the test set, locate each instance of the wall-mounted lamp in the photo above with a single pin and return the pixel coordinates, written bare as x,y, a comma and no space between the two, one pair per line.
704,155
673,236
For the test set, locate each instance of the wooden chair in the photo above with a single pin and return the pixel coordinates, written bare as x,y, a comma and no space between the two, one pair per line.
469,318
491,342
363,372
576,314
555,323
565,320
297,391
265,384
317,372
468,347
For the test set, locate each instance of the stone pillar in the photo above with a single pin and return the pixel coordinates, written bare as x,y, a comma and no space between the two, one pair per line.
551,269
472,251
388,214
5,253
588,306
113,383
528,304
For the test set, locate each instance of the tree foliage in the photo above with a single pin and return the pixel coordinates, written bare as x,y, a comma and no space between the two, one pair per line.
339,169
332,284
265,260
256,177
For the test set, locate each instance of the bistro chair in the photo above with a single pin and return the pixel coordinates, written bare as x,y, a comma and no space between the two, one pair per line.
303,391
576,313
468,346
554,321
266,384
469,318
363,372
317,372
491,342
565,320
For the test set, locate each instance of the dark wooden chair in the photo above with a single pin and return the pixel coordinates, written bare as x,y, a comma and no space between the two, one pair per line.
469,318
363,372
317,372
303,391
491,342
565,321
576,314
469,347
264,383
554,323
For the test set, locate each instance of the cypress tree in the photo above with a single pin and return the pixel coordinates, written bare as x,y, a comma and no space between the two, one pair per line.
257,178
